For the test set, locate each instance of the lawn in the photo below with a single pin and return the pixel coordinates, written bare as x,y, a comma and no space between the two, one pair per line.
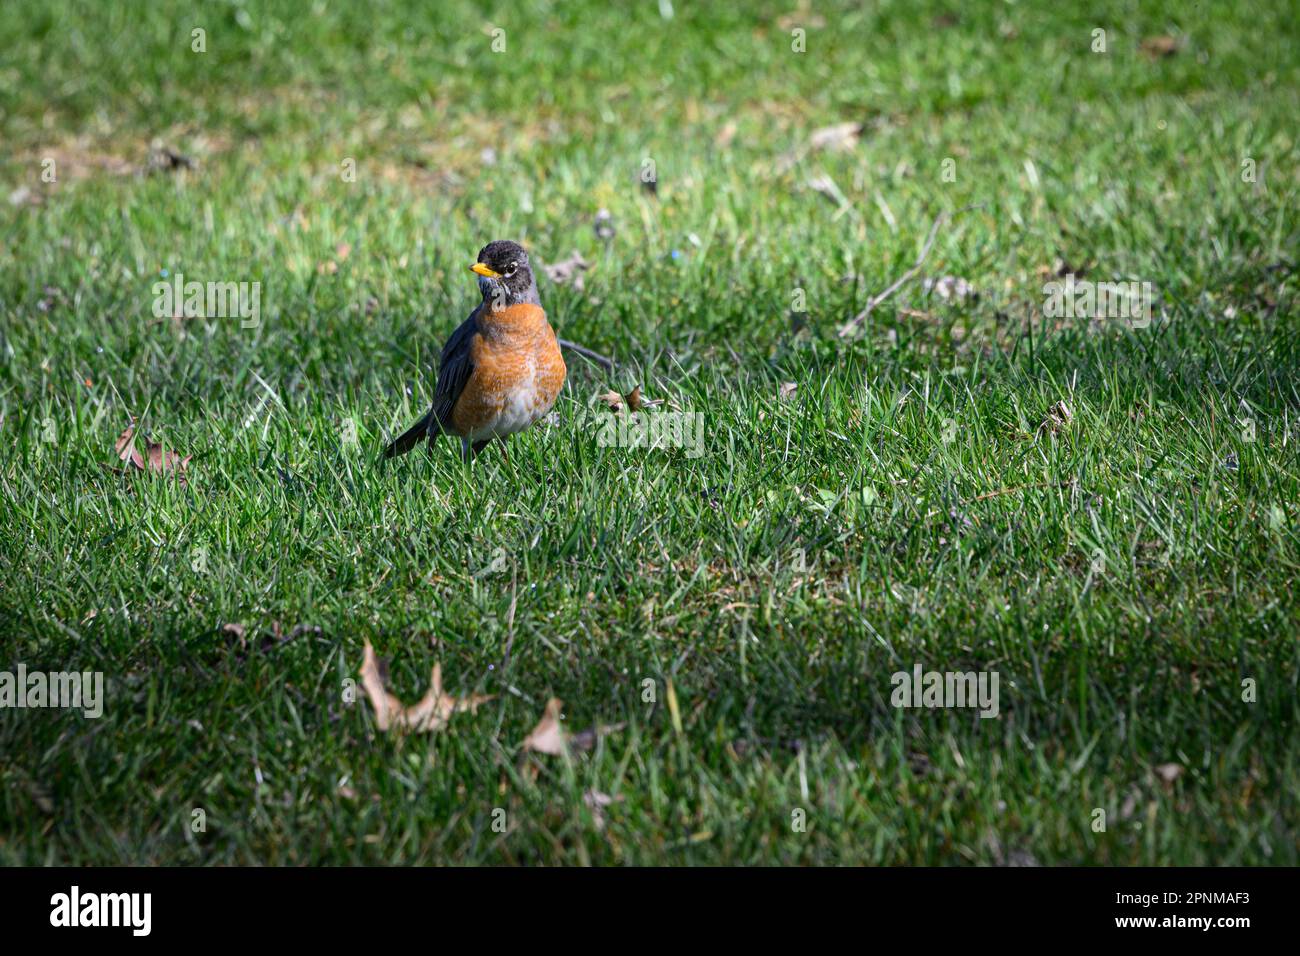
1101,513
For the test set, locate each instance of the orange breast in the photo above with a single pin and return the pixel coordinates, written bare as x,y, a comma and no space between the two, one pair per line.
518,372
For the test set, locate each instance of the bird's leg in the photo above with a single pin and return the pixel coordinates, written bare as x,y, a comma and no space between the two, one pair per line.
464,449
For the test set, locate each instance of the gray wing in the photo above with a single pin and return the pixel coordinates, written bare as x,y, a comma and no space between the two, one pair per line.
454,369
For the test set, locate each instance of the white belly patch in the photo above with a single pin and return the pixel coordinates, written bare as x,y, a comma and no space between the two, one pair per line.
524,405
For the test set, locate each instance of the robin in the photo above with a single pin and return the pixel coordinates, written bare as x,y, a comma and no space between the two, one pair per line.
501,370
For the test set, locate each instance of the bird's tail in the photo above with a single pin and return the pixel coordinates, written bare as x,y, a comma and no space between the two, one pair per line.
413,436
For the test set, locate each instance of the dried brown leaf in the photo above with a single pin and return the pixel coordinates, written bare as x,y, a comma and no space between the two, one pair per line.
154,458
548,737
1169,772
1159,46
632,401
840,136
568,271
433,711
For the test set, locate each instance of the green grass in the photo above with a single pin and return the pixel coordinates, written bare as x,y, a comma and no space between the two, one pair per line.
1123,576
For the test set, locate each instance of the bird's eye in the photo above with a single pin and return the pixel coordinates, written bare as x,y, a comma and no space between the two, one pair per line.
510,269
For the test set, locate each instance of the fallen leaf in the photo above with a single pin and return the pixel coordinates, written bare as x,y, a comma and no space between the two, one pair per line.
787,390
1159,46
433,711
548,736
841,136
632,400
1169,772
154,458
568,271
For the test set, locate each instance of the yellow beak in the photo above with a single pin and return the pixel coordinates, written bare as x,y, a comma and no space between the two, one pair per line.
484,271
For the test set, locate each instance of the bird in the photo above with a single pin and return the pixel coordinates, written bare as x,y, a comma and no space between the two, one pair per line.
501,370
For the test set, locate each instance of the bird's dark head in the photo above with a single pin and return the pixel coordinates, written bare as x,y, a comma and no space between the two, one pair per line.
504,274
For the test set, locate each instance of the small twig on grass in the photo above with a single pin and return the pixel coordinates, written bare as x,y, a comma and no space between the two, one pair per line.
588,354
851,326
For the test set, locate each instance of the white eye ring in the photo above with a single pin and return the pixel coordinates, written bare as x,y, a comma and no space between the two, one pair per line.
514,266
